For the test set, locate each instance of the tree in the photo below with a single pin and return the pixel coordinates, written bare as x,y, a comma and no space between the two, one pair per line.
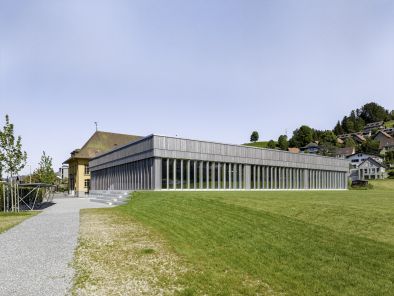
370,147
13,158
373,112
328,137
302,136
338,130
327,149
271,144
283,144
389,157
254,137
349,142
45,172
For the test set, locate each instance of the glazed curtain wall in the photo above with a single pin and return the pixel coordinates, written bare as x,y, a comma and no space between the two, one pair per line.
178,174
193,174
268,177
137,175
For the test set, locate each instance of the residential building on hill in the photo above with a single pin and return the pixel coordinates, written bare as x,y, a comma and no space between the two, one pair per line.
344,152
78,163
374,125
369,169
312,148
356,159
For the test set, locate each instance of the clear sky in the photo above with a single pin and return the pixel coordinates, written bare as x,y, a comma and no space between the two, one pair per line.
204,69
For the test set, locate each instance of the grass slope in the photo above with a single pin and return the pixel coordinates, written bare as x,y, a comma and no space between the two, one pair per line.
8,220
263,243
263,144
389,124
386,184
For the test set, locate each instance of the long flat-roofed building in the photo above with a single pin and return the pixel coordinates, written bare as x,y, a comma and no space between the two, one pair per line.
168,163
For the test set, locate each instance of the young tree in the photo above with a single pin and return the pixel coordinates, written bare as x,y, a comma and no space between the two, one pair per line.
283,144
254,137
45,172
12,156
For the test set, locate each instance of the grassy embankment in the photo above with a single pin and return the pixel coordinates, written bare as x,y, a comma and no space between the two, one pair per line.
8,220
240,243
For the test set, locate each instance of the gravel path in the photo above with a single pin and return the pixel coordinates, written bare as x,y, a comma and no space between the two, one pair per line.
35,255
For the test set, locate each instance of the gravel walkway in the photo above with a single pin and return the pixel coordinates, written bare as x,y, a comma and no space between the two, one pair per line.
35,255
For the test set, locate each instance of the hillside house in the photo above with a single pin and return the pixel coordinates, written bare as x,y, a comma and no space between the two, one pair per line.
369,169
356,159
373,126
344,152
311,148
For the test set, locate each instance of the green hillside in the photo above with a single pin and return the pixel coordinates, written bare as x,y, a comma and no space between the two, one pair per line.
262,144
243,243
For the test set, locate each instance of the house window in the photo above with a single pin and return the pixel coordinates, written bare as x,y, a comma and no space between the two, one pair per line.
86,169
87,183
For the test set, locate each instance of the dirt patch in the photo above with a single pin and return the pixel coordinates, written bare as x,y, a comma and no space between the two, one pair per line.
117,256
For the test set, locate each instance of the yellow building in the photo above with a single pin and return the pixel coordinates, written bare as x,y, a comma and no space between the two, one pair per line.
78,163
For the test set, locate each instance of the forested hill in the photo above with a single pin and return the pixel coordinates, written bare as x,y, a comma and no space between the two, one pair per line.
331,139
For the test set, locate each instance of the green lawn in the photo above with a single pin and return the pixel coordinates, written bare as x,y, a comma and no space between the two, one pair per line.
387,184
8,220
389,124
263,144
272,243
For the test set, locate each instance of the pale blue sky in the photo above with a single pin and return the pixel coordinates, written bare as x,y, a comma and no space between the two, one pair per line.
204,69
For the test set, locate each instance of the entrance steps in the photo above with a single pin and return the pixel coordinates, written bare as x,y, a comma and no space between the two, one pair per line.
110,197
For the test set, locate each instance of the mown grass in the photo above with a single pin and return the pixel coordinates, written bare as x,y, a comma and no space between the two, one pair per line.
9,220
298,243
389,124
387,184
262,144
240,243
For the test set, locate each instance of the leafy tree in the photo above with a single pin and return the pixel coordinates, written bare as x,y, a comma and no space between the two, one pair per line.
338,130
283,144
327,149
301,136
328,137
45,172
370,147
349,142
13,158
254,137
271,144
373,112
389,157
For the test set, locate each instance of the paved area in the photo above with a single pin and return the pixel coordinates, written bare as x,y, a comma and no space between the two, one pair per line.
35,255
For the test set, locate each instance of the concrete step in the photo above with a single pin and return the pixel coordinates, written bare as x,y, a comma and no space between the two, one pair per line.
108,202
109,197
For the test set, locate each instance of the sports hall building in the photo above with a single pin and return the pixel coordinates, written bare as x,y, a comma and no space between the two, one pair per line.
167,163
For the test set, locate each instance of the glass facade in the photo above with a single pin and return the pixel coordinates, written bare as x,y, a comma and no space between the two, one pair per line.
193,174
186,174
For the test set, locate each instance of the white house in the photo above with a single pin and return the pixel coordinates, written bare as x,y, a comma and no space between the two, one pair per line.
369,169
356,159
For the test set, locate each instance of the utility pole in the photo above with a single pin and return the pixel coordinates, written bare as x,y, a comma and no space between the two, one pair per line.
96,124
